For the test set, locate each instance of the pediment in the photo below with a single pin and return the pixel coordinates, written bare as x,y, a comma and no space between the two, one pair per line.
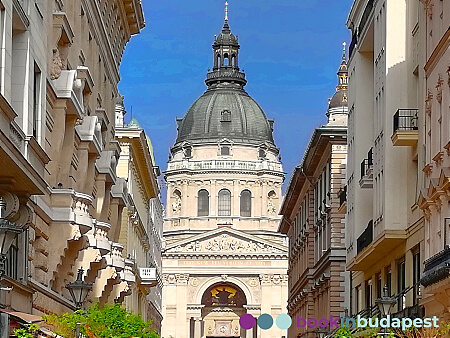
226,240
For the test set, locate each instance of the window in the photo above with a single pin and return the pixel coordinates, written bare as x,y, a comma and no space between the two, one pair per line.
12,260
224,202
246,203
225,151
358,305
401,274
262,153
369,293
188,152
226,59
389,281
203,203
379,285
416,276
36,99
225,116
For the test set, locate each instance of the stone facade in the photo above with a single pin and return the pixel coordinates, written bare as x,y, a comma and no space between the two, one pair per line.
434,136
142,223
314,220
222,255
59,74
395,144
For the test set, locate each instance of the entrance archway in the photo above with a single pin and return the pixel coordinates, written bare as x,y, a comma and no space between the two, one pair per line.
223,305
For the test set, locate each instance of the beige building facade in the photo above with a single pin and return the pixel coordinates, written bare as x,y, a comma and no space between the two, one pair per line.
223,256
314,219
59,70
142,222
434,136
386,242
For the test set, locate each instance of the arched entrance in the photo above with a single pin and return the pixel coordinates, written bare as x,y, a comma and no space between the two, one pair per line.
223,305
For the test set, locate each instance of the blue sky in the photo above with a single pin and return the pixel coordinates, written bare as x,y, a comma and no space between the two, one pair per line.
290,50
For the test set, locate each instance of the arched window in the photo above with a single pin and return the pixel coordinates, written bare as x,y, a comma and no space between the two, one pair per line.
218,60
203,203
226,60
225,116
233,60
224,202
246,203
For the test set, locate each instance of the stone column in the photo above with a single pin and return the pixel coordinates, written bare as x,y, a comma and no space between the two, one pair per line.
255,311
198,328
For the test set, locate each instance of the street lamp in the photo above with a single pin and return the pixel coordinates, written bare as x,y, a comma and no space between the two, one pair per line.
79,289
8,233
321,332
385,304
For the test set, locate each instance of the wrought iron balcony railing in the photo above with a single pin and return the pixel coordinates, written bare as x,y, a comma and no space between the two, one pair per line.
406,119
437,267
342,194
366,238
366,164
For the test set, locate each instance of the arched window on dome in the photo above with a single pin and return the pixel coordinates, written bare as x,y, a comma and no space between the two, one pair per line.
218,64
246,203
224,202
225,116
233,60
226,59
203,203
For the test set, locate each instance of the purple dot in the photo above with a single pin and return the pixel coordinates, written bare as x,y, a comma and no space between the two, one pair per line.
247,321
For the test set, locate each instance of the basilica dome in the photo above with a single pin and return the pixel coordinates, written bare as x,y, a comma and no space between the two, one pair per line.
225,110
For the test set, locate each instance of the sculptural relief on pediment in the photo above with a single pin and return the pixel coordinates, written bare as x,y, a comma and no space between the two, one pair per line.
226,244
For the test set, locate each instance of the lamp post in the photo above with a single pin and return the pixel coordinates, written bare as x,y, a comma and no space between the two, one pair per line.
321,332
385,304
79,289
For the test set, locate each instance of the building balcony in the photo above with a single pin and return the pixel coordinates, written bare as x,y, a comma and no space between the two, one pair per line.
415,311
224,165
370,251
406,131
436,268
342,194
366,180
148,276
366,16
366,238
225,74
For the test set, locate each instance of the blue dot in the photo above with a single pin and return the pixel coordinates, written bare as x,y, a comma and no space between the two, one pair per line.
283,321
265,321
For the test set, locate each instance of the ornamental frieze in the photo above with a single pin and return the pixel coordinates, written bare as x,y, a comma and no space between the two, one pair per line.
226,243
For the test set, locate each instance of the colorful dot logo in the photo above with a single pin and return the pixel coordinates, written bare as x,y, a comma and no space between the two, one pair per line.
265,321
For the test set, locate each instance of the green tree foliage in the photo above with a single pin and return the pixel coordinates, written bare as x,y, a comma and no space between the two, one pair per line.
109,321
28,331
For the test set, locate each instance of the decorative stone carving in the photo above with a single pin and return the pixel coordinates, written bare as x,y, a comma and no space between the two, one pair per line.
57,65
439,89
226,243
182,278
168,279
428,103
254,282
